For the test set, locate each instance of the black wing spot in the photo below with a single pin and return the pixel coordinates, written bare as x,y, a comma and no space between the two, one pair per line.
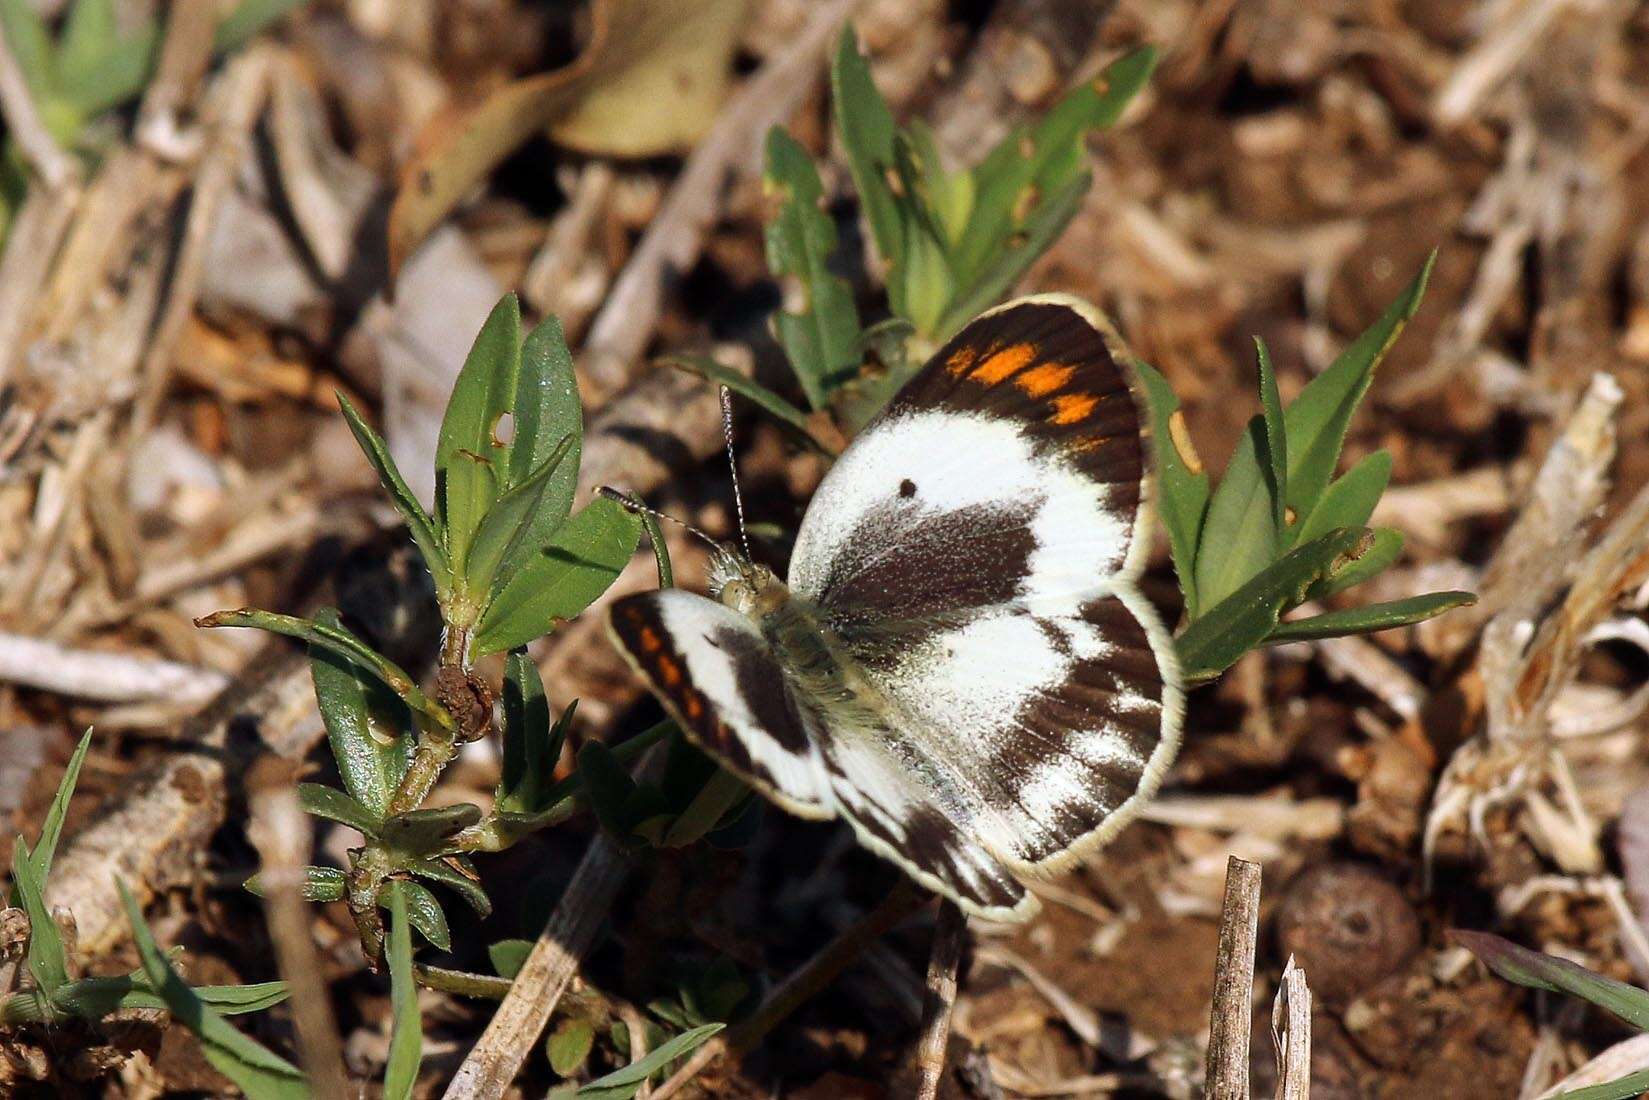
907,488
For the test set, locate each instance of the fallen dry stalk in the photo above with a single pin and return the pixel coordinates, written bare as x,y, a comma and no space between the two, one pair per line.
104,676
1232,1018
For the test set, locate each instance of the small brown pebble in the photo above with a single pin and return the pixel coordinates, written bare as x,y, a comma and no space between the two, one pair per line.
1347,927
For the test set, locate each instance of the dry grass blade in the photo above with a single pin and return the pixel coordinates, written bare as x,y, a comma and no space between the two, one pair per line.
1232,1018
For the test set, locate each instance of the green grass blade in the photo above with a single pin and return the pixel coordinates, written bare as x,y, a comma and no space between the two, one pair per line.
1369,618
754,392
406,1041
1539,971
531,744
623,1083
46,958
51,830
1276,442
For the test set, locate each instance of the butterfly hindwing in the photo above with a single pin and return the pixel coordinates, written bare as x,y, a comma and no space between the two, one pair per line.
723,685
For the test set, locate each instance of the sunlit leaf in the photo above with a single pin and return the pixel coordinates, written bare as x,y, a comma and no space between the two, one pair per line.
46,960
1349,499
585,557
1370,617
335,805
51,829
546,415
510,525
866,128
759,395
1537,971
319,884
1239,535
1182,483
1624,1088
366,725
431,546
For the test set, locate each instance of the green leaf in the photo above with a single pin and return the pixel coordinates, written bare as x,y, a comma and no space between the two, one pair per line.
1538,971
406,1039
46,959
471,488
94,998
1182,483
89,27
721,793
1031,164
30,45
1318,418
51,830
420,831
623,1084
511,523
338,641
1243,620
1240,530
319,884
366,724
582,560
1370,618
922,286
1276,443
420,525
988,286
545,411
467,886
248,19
607,788
1623,1088
482,394
1385,549
509,956
1349,500
425,913
335,805
865,126
532,746
821,339
569,1045
757,394
98,69
947,196
260,1073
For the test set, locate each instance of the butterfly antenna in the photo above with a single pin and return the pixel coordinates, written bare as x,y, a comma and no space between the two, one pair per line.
625,500
733,466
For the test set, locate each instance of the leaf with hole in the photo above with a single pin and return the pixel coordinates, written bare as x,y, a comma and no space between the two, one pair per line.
367,725
821,338
581,561
1275,438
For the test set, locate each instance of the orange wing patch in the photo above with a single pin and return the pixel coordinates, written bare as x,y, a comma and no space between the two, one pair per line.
1045,379
1000,365
1072,407
961,360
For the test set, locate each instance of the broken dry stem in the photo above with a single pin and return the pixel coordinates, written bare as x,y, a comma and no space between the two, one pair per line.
1232,1018
949,934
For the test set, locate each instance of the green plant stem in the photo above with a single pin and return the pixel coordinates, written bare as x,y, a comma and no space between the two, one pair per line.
434,751
463,983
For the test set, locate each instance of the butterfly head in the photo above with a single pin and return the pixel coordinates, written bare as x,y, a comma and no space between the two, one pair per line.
743,585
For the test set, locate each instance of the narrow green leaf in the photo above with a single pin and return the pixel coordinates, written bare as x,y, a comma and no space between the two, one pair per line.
569,1045
1243,620
754,392
532,746
866,128
546,410
1623,1088
585,557
420,525
923,285
607,788
30,45
51,830
425,913
510,523
335,805
1003,267
1240,531
948,196
1182,483
821,339
406,1040
94,998
319,884
46,959
1539,971
366,724
721,793
470,489
1318,418
482,394
1276,443
655,539
509,956
1349,499
234,1000
420,831
1370,617
1385,548
88,29
623,1083
107,70
260,1073
467,886
1033,163
335,640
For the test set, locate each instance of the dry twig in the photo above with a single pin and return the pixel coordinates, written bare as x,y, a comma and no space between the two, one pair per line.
1291,1032
1232,1018
950,933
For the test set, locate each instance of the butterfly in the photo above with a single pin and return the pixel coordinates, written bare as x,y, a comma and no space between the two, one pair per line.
960,662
